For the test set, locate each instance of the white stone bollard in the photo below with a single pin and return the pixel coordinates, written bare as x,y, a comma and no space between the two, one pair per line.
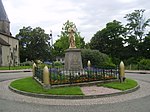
46,79
89,63
33,69
122,71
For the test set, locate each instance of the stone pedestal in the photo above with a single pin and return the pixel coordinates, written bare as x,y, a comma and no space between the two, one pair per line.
73,60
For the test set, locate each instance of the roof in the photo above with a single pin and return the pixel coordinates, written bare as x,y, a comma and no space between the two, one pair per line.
8,35
3,15
3,42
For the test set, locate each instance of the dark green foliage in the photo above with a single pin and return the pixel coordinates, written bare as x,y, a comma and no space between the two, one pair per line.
129,43
58,64
135,36
97,58
137,24
33,44
144,64
110,39
145,47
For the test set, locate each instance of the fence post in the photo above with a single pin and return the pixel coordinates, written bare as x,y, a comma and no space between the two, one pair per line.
122,72
33,69
89,66
46,79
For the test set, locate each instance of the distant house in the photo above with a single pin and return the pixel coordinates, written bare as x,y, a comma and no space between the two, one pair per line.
9,45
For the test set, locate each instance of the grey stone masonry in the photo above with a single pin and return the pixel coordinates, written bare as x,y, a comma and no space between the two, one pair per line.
3,15
73,59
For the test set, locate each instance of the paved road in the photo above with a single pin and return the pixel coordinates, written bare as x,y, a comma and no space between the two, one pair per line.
138,101
8,76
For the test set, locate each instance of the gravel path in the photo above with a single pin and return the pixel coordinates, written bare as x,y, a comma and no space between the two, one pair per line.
94,90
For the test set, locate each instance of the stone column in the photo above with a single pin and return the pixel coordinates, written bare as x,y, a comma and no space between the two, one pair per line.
73,60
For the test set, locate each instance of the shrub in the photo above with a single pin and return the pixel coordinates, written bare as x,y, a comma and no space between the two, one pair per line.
58,64
97,58
144,64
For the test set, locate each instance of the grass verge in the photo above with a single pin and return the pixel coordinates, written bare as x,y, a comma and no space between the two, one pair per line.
30,85
128,84
15,67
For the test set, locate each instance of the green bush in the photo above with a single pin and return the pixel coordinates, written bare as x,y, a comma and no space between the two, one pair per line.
97,58
144,64
132,67
58,64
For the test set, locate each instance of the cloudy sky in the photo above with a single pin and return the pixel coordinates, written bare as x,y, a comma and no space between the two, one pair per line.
88,15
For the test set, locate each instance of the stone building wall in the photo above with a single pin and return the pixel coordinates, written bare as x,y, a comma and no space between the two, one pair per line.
10,54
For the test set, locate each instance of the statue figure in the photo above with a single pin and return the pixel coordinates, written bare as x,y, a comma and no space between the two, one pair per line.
71,31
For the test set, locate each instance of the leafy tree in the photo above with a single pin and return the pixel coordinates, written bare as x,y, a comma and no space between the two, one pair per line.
144,64
137,24
110,40
129,43
145,47
136,27
63,43
87,45
33,44
97,58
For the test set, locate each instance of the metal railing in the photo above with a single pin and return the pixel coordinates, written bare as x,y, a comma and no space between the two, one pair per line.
39,74
61,76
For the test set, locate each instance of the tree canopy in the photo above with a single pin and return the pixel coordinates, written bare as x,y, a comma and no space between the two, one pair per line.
97,58
33,44
124,42
137,24
110,39
135,36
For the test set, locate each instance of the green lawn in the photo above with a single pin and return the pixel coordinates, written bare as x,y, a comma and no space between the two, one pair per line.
128,84
15,67
30,85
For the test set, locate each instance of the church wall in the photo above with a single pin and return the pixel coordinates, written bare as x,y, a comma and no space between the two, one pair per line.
5,56
10,54
0,55
5,27
13,50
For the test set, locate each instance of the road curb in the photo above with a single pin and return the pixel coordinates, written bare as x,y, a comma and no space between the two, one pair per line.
14,71
72,96
138,72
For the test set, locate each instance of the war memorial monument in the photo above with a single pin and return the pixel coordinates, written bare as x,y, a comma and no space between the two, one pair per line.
73,60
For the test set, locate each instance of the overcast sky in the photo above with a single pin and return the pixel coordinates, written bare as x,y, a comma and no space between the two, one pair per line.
88,15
